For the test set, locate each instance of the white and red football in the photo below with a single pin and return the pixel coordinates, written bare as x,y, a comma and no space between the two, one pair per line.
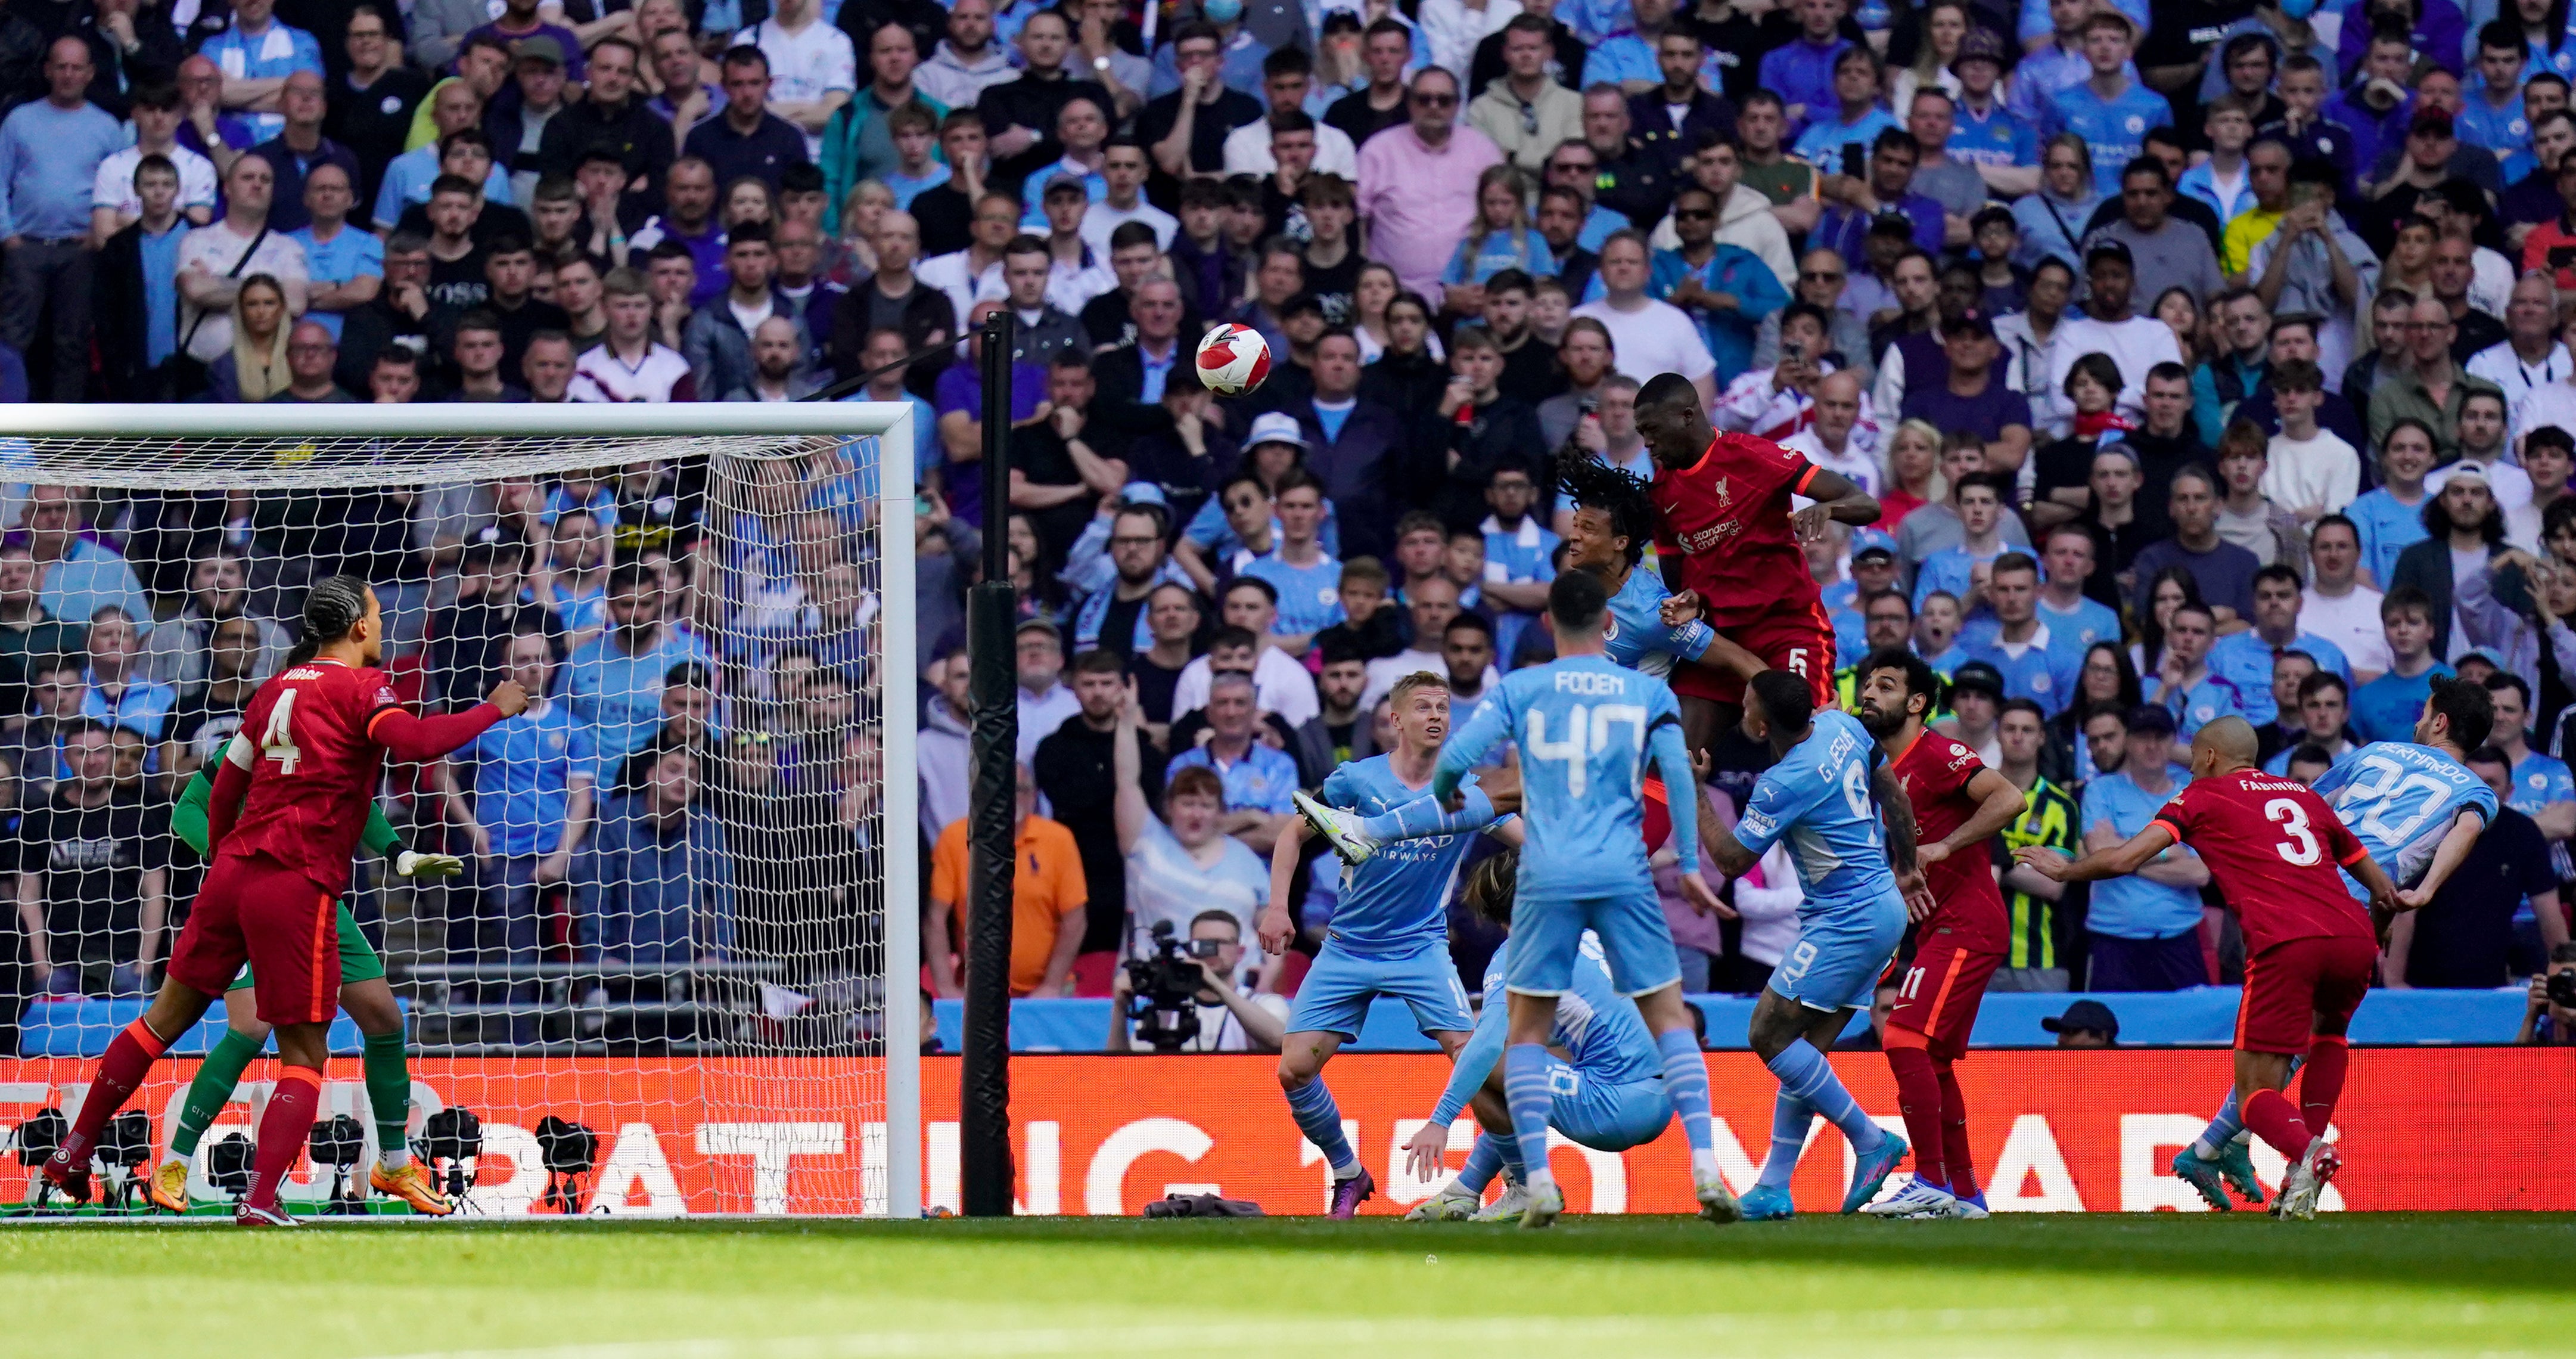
1233,360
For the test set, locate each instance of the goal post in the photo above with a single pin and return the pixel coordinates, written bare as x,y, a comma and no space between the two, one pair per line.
761,1052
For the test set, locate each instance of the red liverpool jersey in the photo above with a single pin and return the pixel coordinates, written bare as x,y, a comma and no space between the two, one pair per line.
1726,518
313,768
1935,771
2275,847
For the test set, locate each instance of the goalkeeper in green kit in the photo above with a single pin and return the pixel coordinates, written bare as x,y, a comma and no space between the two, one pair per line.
363,994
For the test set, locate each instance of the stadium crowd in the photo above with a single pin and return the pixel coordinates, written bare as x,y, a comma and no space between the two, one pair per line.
2203,362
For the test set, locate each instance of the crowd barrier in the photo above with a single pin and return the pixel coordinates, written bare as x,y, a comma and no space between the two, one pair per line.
2053,1131
2202,1015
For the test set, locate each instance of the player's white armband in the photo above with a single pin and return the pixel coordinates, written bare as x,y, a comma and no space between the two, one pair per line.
240,753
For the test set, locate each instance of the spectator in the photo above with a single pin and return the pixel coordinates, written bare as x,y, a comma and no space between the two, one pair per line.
135,303
2544,1020
256,54
2036,959
2245,660
747,139
614,681
2336,606
1176,870
966,61
1020,114
2433,388
2385,709
477,360
2033,665
946,742
531,805
116,201
1283,687
300,147
1938,527
1049,893
207,129
30,634
1044,701
1172,612
2225,572
1417,189
778,371
1339,733
1231,1017
2246,517
1647,337
2075,620
209,709
630,364
216,262
2087,1024
2464,936
1526,112
718,341
2135,343
80,573
51,151
1976,396
2170,252
1386,52
2464,530
2143,932
2049,218
93,875
1960,571
369,109
654,885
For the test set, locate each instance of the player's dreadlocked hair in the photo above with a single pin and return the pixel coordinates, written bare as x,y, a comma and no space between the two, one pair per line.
331,608
1595,484
1490,885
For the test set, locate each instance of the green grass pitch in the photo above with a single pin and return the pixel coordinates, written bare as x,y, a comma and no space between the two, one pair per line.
2194,1285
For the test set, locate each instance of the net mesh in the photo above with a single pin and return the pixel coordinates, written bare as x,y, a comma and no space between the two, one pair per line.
670,926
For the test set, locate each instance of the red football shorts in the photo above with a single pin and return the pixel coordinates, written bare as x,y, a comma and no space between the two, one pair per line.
252,908
2301,987
1938,995
1800,641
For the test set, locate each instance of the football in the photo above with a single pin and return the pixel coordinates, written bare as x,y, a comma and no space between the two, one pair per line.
1233,360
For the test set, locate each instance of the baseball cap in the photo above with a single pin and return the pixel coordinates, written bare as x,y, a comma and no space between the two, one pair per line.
541,46
2479,653
1142,493
1869,540
2430,122
1276,427
2084,1014
1039,625
2153,718
2107,248
1979,45
2466,470
1969,322
1064,182
1980,676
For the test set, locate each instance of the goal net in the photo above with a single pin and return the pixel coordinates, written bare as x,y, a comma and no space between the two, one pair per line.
685,921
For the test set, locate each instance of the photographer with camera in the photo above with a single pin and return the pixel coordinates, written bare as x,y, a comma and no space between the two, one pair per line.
2549,1020
1193,995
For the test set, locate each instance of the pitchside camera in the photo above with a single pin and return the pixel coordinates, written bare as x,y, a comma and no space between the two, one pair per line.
228,1164
1163,998
2562,990
338,1142
570,1151
453,1137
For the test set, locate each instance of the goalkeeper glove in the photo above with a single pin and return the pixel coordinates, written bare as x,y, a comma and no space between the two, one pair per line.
412,864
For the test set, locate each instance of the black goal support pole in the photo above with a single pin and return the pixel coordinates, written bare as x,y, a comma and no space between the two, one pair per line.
984,1095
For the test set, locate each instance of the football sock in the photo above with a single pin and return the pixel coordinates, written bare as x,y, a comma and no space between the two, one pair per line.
1508,1147
1956,1162
1482,1162
2221,1130
283,1128
1425,816
1686,1085
389,1097
121,1069
212,1089
1804,1072
1525,1068
1321,1120
2329,1059
1790,1118
2274,1119
1919,1097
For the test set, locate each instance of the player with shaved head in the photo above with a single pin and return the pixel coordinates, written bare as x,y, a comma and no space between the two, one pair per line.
2274,847
1731,535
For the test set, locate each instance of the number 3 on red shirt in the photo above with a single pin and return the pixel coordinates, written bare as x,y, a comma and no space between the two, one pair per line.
2301,848
278,741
